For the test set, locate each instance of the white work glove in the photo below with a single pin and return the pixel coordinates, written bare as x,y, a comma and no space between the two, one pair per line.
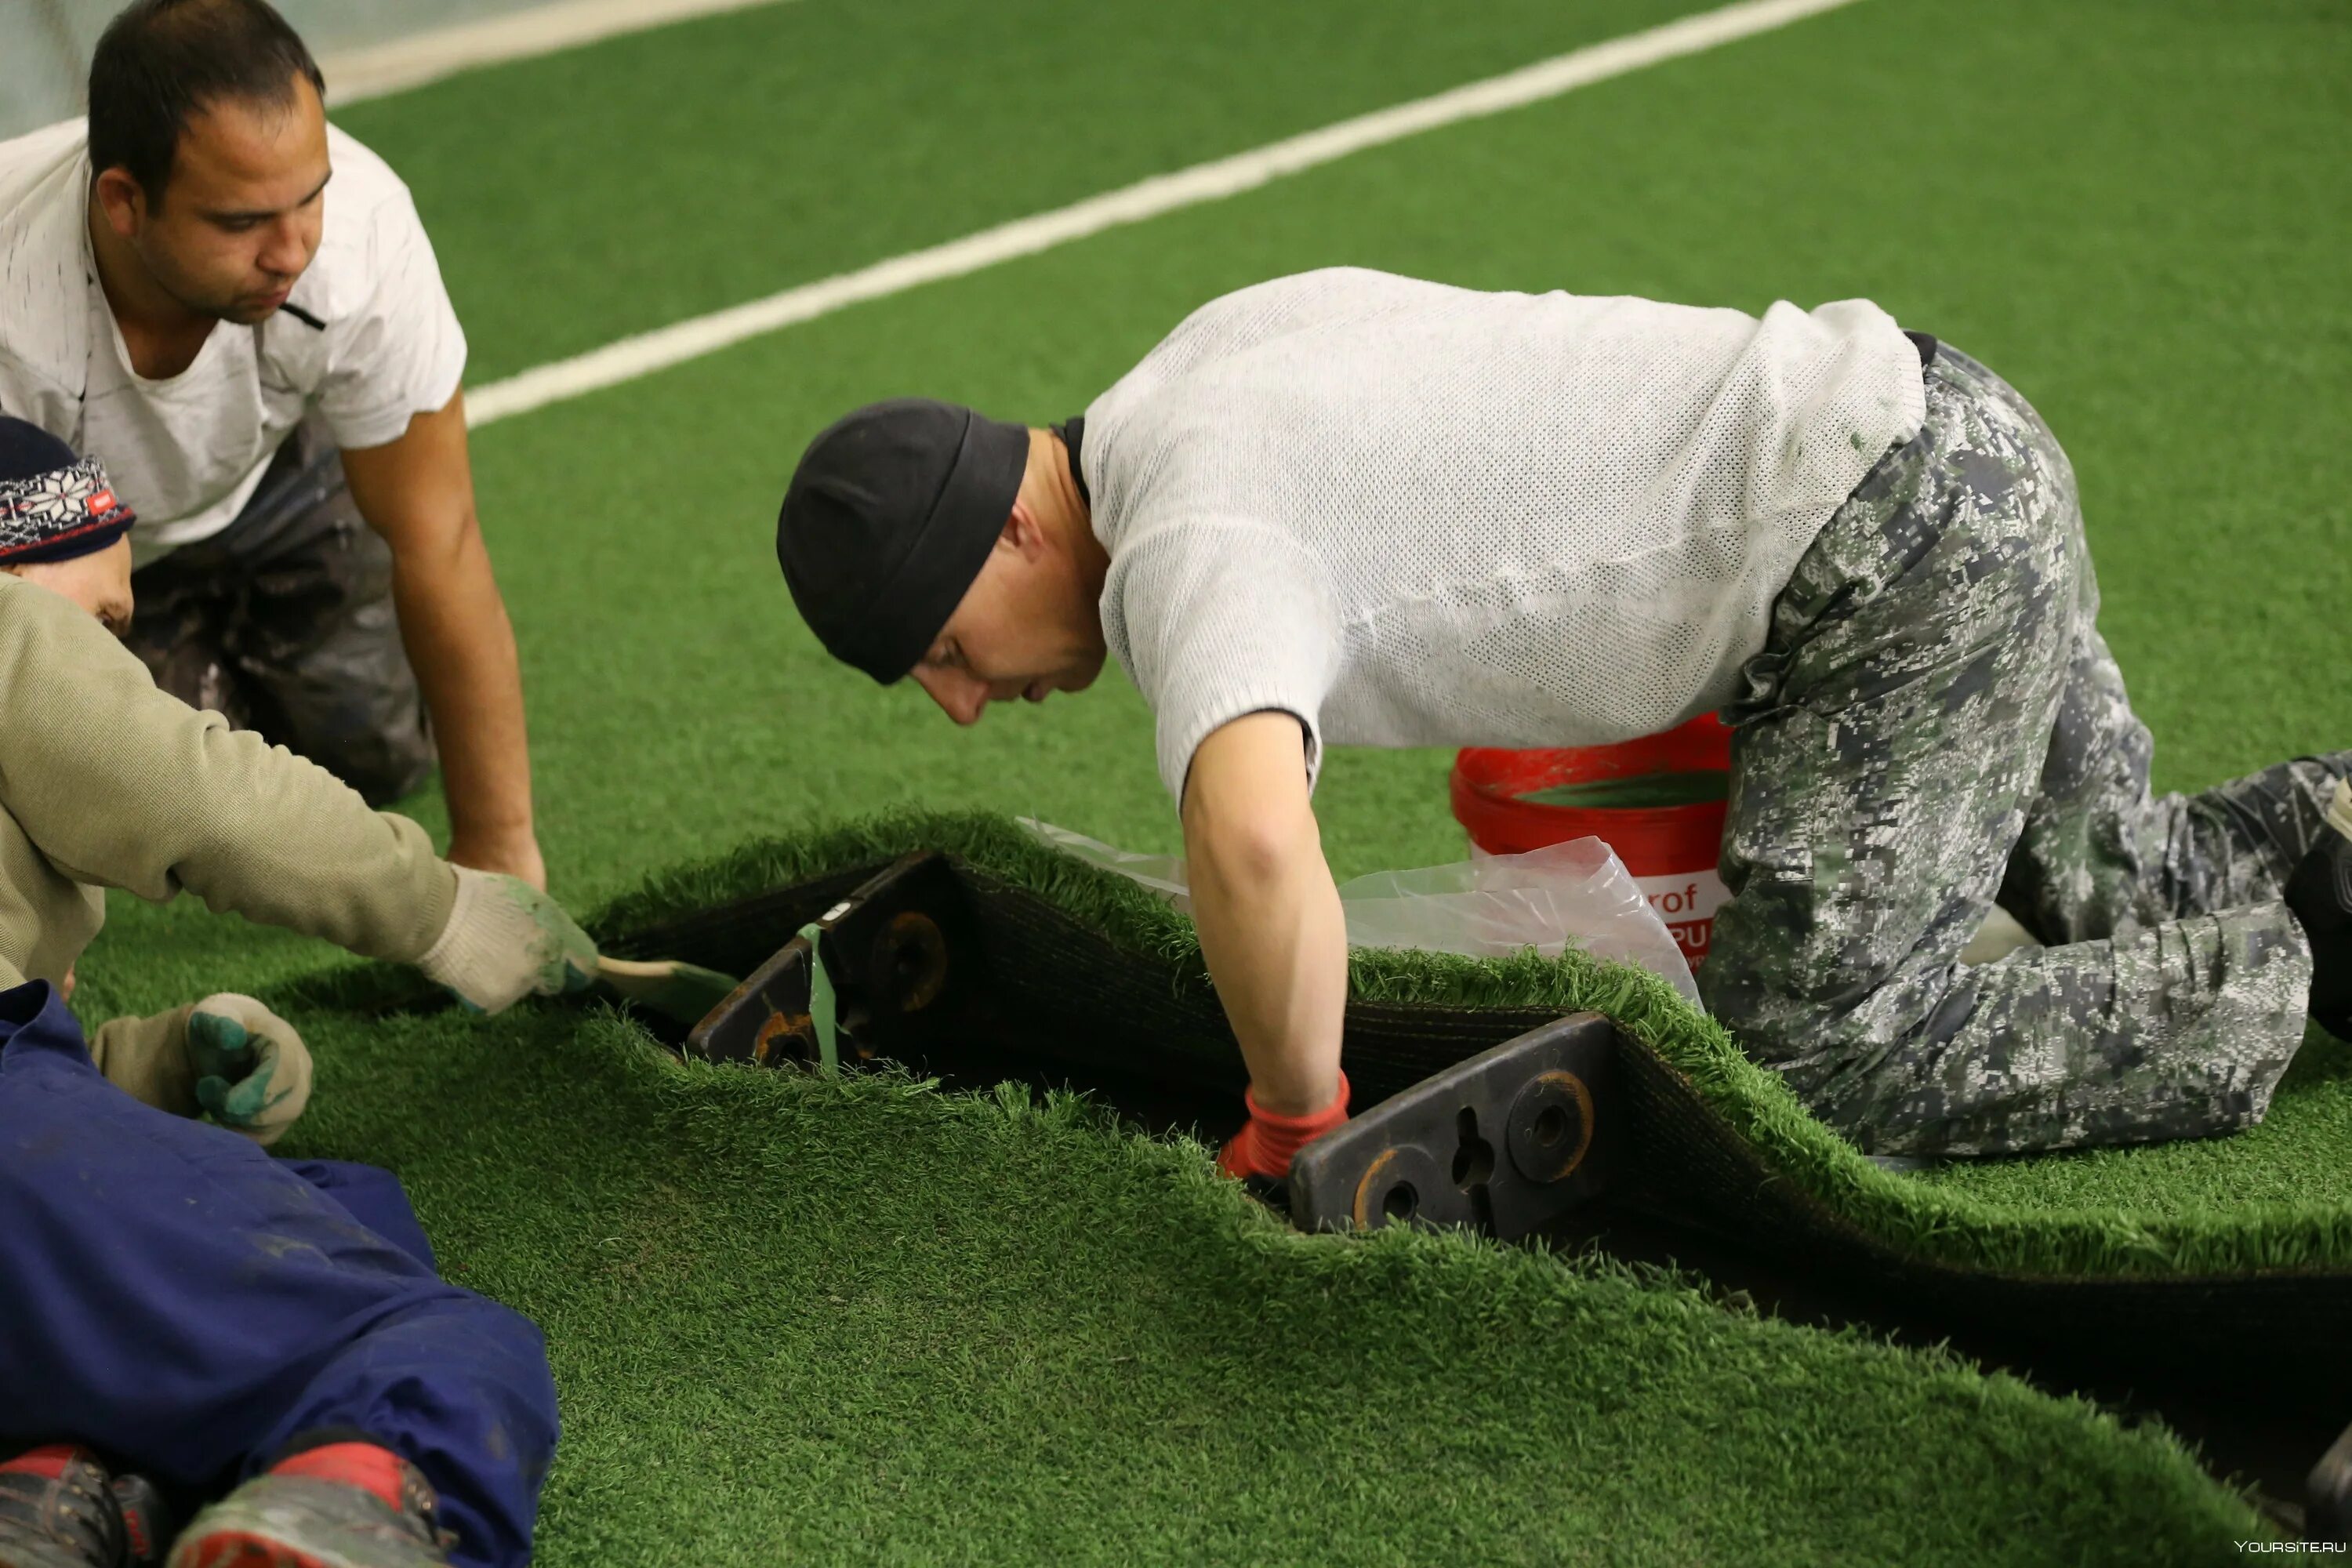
227,1055
506,940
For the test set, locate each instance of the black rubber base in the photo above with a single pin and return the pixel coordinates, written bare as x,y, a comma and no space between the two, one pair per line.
901,963
1505,1142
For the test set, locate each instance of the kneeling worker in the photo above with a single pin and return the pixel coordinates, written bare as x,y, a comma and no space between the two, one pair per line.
172,1296
1347,507
236,307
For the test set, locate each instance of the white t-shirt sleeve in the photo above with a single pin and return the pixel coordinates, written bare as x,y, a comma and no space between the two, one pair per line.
401,353
1222,620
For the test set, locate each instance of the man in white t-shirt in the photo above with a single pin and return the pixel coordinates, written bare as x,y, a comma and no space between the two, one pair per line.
234,306
1353,508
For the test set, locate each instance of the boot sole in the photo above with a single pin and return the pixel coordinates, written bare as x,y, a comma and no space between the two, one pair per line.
250,1538
242,1548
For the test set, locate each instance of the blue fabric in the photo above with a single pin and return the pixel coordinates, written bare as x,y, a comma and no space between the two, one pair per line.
370,1196
172,1296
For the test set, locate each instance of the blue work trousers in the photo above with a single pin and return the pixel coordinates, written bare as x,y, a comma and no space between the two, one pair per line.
176,1298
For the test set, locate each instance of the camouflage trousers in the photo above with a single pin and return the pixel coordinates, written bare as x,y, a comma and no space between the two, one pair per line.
1934,722
284,623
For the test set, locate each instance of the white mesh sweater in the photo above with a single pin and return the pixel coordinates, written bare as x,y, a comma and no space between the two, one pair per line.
1418,515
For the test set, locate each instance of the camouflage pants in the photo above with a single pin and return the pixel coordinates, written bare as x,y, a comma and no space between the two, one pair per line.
283,623
1935,721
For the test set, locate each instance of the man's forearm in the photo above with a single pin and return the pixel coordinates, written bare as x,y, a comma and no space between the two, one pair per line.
1276,944
454,624
418,493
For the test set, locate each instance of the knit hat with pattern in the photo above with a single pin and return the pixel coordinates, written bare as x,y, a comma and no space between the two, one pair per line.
53,505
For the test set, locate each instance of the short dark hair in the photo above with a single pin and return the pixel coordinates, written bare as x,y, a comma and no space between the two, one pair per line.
160,62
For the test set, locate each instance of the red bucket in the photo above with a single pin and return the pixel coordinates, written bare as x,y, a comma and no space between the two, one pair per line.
1671,851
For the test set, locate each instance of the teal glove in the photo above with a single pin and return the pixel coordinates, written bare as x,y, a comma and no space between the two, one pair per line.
506,940
253,1072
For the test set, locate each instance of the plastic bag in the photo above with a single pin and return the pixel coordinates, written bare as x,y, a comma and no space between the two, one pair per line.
1577,894
1163,874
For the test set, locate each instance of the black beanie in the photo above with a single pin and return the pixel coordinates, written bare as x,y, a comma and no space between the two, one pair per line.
53,507
888,518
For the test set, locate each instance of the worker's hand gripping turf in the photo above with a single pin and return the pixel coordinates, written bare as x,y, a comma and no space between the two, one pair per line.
1267,1143
506,940
253,1072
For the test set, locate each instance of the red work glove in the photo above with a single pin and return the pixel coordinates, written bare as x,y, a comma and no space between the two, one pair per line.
1265,1146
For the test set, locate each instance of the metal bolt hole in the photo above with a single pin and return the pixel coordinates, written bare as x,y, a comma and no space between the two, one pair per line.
1474,1162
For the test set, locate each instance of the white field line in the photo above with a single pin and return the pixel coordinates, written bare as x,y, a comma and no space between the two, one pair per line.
356,74
645,352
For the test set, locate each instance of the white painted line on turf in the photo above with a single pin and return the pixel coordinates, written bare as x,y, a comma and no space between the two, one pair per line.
371,72
645,352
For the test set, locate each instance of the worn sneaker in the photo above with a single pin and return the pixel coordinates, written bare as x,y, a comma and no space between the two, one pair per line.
57,1511
146,1521
342,1505
2320,894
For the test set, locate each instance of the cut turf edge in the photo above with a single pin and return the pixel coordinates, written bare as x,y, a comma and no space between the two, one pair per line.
1931,1225
2082,1484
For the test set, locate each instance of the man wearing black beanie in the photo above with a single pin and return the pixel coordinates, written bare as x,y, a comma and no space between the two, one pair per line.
1352,507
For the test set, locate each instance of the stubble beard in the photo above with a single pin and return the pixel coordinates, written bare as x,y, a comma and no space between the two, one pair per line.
215,309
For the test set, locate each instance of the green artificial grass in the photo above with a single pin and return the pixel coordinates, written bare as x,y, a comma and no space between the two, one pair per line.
2273,1199
734,156
796,1320
2137,210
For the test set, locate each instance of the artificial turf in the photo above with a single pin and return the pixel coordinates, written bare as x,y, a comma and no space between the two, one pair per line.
864,1321
2137,212
2269,1201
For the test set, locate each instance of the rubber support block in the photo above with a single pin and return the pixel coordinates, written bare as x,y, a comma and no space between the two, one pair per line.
1505,1141
898,953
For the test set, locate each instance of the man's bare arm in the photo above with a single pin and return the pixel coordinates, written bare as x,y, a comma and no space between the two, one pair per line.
1268,914
418,493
